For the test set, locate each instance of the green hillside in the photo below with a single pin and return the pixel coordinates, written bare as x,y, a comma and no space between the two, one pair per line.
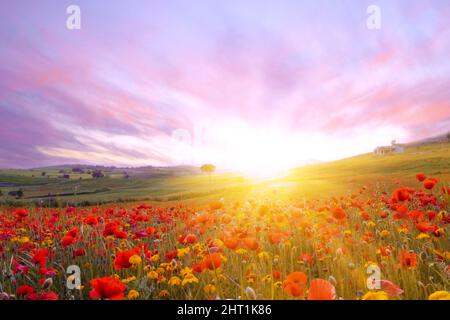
188,184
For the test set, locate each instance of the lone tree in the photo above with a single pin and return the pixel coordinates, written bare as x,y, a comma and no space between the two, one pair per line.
209,169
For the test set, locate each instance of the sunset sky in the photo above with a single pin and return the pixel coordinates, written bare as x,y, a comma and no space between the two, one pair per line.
237,83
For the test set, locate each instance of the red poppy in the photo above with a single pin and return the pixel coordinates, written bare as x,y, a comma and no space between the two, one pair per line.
251,243
79,252
385,251
120,234
276,274
338,213
212,261
295,283
231,243
73,232
430,183
21,212
25,289
107,288
171,254
190,239
321,290
150,231
91,220
40,257
48,296
421,177
277,237
425,227
391,288
67,241
306,258
122,259
402,194
198,267
407,259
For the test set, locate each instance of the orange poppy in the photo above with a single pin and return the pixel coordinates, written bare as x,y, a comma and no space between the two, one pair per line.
338,213
321,290
276,237
425,227
231,243
251,243
294,284
190,239
407,259
212,261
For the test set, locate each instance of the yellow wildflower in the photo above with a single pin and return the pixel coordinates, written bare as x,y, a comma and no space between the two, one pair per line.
263,255
371,224
422,236
152,275
370,263
189,278
384,233
278,284
186,271
123,244
133,294
375,295
23,240
402,230
164,293
129,279
135,259
209,289
183,251
160,270
154,258
439,295
174,281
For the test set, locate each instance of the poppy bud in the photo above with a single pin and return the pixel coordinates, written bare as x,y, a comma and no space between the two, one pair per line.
47,283
250,293
332,280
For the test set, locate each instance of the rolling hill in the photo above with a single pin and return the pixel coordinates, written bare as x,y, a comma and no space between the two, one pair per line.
73,184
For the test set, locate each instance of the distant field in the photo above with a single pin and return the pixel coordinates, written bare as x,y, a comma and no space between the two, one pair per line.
333,178
113,187
350,174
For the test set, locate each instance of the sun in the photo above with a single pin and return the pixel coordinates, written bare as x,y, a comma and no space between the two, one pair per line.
253,152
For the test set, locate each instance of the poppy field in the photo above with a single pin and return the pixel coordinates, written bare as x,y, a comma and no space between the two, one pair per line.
379,242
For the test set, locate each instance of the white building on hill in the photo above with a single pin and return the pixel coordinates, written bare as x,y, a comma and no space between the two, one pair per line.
394,148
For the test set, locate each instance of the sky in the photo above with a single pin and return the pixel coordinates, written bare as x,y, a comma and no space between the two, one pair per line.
246,85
